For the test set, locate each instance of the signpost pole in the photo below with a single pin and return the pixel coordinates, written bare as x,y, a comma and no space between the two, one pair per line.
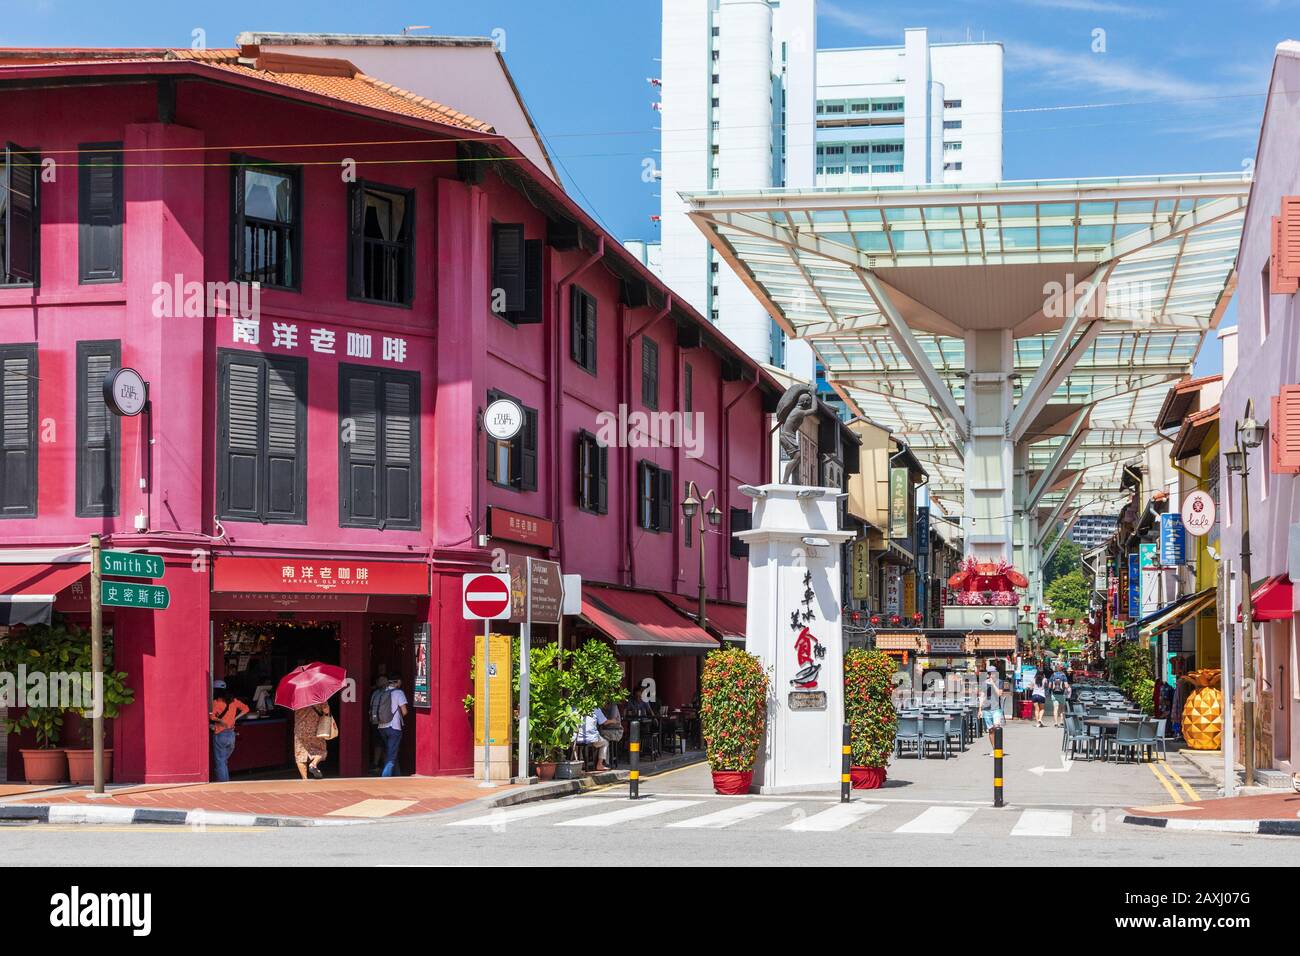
487,705
97,662
525,645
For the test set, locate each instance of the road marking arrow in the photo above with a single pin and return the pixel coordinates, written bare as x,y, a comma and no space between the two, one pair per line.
1066,764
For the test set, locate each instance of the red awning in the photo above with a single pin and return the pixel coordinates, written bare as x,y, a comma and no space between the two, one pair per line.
722,618
27,591
1271,601
638,622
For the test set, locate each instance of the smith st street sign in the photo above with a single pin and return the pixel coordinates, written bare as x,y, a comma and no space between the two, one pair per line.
153,597
130,565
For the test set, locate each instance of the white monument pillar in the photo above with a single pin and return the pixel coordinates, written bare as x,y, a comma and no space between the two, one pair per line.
793,626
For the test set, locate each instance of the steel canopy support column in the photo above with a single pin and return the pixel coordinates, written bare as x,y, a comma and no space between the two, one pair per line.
989,456
916,357
1070,494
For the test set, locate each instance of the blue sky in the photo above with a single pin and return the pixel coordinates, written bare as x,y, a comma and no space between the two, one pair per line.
1179,87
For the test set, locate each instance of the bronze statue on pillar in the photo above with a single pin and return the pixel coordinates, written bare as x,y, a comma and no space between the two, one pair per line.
798,402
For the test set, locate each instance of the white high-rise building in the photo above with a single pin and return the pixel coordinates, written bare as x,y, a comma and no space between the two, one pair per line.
749,102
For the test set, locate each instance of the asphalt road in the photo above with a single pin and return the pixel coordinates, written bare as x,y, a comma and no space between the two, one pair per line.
931,812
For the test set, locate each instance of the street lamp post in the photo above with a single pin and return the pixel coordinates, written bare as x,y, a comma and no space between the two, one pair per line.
691,505
1250,434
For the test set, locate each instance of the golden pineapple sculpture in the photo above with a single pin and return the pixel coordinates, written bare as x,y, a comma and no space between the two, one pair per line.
1203,712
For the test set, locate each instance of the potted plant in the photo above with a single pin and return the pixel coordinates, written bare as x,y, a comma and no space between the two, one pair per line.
552,719
593,680
869,711
33,654
81,761
733,712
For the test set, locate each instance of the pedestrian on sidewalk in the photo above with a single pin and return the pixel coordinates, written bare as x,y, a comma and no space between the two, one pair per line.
226,709
309,748
991,704
1060,690
590,735
1038,694
377,739
392,709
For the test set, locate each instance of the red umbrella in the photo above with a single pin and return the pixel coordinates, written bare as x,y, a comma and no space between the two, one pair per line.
309,685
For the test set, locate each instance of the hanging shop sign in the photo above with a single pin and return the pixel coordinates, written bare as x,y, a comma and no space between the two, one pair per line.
909,594
294,575
503,419
1173,541
861,570
893,589
516,526
542,602
1134,608
922,530
125,392
1150,577
1198,513
899,481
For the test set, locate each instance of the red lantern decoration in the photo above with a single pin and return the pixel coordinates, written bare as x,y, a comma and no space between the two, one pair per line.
895,619
875,620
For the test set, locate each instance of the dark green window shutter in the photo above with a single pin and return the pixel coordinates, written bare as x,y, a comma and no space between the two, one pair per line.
589,333
356,241
18,401
22,217
285,424
508,264
533,283
602,490
98,431
100,214
664,492
644,491
528,452
361,454
650,373
401,442
241,444
577,351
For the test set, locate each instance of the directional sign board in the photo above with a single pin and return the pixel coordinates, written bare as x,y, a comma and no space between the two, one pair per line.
128,564
152,597
485,597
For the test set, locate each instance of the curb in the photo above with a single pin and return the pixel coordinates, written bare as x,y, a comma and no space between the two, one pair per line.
1257,827
197,819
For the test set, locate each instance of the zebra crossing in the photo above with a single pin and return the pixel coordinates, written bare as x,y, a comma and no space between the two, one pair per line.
795,816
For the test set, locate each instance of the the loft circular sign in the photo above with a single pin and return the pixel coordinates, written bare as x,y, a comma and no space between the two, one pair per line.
503,419
1198,513
124,391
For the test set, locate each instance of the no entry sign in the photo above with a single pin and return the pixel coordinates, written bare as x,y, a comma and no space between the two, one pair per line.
485,597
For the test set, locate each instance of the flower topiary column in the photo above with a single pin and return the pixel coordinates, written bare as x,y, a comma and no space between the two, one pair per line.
869,711
733,706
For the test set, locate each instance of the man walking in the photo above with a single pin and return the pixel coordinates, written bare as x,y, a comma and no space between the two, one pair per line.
226,709
1060,690
991,704
392,708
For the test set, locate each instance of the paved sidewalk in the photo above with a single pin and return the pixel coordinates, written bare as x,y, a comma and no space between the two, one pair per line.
336,800
1276,812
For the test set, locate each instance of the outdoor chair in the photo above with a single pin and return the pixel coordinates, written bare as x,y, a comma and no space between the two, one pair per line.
1077,737
1128,737
1152,737
934,731
909,733
955,724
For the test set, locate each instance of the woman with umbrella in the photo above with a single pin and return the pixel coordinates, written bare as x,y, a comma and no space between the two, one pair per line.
306,691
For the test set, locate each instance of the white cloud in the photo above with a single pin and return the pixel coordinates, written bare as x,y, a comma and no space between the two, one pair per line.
1097,6
1090,73
869,26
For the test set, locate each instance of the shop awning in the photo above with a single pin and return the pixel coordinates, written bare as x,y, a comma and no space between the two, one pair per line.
1173,615
1271,601
723,619
639,622
27,591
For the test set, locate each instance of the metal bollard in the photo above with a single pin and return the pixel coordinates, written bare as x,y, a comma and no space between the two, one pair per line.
634,748
846,754
997,766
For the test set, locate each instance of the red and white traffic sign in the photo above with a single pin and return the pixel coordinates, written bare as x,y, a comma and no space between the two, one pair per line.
485,597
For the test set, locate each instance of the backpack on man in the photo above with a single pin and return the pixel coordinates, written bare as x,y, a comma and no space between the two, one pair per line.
382,709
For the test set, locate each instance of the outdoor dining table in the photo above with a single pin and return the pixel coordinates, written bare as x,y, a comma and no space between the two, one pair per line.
1109,726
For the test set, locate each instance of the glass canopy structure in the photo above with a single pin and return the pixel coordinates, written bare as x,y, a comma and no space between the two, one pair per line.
1019,336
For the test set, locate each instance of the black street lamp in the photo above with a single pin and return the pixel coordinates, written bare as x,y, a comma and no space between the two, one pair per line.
691,505
1250,434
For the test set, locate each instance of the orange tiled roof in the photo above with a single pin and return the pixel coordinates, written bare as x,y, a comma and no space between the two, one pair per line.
334,78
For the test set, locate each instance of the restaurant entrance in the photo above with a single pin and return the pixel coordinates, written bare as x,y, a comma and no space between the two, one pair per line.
251,655
391,654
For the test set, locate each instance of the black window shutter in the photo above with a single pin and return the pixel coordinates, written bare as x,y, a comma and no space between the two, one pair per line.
359,434
642,481
401,472
528,452
688,388
589,332
580,469
576,325
602,480
650,373
508,264
22,247
356,240
18,431
241,438
533,286
741,520
98,431
665,494
285,405
101,214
